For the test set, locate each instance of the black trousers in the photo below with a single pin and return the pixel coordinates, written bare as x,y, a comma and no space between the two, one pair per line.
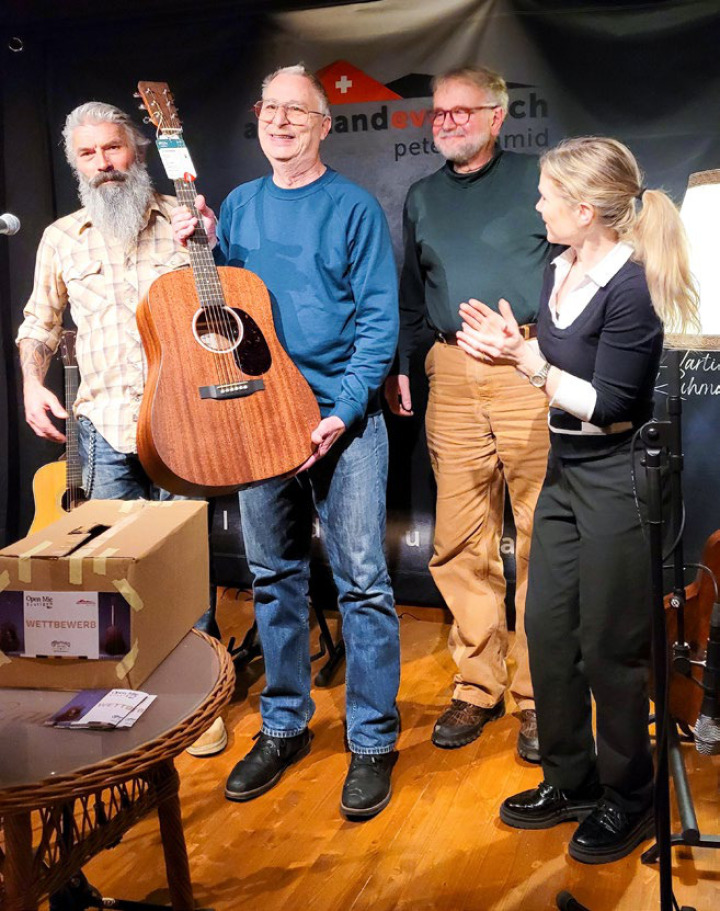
588,622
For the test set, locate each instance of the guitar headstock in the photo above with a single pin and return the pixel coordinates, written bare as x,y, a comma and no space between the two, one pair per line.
67,348
160,105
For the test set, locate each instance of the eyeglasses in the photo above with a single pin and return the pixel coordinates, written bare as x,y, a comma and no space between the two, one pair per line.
296,114
459,116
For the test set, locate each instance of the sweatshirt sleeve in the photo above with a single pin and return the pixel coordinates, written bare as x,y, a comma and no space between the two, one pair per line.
373,280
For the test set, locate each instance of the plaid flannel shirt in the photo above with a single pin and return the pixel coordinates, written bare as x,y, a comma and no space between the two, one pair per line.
103,283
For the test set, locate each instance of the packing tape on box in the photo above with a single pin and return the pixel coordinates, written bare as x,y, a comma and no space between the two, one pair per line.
25,562
129,594
128,506
4,659
75,565
123,668
4,580
100,562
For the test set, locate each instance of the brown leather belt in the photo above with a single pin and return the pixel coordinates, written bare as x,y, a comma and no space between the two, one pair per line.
528,331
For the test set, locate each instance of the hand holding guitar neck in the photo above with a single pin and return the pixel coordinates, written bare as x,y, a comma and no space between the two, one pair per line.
185,221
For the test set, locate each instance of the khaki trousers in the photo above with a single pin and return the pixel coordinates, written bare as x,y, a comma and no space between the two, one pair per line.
486,426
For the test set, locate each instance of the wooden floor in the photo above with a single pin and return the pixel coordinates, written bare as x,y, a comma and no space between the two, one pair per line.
439,845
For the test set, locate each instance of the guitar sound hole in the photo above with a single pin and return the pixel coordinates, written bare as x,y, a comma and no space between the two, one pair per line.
218,329
69,503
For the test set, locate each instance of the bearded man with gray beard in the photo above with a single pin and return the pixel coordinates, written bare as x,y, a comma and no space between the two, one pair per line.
100,262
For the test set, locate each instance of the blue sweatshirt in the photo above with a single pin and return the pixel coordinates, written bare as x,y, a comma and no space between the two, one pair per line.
325,254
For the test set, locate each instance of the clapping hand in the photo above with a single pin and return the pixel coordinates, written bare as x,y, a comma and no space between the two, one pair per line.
488,335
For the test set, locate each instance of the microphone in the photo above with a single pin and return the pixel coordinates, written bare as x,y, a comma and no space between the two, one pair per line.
707,726
9,224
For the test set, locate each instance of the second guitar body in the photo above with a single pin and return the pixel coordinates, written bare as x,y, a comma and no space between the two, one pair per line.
224,406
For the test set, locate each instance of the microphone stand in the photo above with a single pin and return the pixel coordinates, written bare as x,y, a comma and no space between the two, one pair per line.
669,434
656,436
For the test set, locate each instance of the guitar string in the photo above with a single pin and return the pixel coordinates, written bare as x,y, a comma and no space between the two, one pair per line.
233,416
218,316
205,294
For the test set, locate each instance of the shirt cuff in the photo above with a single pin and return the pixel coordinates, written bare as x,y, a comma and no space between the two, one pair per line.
346,412
575,396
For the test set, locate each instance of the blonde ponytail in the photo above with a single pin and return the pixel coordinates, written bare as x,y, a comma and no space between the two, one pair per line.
603,173
658,238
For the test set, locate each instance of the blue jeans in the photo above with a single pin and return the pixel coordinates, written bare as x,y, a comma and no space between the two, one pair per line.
348,490
112,475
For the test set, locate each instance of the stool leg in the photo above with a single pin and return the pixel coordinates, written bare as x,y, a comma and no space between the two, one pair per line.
18,867
173,838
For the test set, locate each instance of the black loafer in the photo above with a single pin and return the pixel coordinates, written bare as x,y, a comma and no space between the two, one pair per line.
367,788
545,806
609,833
264,765
462,722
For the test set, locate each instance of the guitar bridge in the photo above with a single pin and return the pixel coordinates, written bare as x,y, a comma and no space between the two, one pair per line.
231,390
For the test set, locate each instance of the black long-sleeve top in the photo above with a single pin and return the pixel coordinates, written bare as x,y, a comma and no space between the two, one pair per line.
615,344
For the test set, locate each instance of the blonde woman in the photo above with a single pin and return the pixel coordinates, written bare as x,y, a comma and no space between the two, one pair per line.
622,277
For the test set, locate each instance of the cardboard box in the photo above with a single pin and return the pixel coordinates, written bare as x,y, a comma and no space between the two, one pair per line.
105,594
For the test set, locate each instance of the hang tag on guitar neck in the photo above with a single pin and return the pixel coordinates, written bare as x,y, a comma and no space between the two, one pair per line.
175,157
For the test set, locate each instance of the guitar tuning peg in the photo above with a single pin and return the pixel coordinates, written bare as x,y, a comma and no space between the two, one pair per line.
146,120
136,94
141,107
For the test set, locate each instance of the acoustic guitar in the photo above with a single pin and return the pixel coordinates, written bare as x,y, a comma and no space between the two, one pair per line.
57,487
224,406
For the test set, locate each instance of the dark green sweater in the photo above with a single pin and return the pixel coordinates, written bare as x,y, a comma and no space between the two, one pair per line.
475,235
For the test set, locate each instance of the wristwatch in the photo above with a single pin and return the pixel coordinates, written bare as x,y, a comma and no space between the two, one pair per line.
539,378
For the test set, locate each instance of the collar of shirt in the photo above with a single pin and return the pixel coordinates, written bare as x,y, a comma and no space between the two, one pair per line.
597,277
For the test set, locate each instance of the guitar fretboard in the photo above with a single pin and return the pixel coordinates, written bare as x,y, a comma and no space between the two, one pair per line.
207,280
72,454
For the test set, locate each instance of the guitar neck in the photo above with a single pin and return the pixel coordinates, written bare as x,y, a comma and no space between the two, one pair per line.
72,453
207,280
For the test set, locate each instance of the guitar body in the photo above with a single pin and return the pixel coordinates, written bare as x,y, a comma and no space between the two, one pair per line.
49,487
207,446
57,487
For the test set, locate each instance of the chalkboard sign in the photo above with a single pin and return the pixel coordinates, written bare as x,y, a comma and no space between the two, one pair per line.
699,361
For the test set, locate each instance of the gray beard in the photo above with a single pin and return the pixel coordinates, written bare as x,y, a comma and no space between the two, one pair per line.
117,201
464,151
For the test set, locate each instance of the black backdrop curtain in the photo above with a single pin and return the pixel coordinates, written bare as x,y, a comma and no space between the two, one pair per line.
646,72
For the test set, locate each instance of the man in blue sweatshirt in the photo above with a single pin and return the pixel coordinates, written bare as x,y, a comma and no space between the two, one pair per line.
322,246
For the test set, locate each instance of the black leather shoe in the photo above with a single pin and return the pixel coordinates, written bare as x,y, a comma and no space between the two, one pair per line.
367,788
264,765
462,722
609,833
528,746
545,806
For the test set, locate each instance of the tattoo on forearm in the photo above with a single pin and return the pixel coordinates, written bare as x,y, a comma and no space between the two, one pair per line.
35,359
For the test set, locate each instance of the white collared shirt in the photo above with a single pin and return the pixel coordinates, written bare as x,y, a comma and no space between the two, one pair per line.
574,395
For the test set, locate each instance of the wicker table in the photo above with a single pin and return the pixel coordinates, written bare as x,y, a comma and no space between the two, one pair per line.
65,795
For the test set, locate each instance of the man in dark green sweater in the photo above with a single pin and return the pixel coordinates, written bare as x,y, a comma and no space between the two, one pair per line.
471,230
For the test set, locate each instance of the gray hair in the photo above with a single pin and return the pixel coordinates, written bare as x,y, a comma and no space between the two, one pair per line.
99,112
299,69
481,77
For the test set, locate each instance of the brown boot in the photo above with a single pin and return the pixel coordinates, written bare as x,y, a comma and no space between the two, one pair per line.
462,722
527,743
